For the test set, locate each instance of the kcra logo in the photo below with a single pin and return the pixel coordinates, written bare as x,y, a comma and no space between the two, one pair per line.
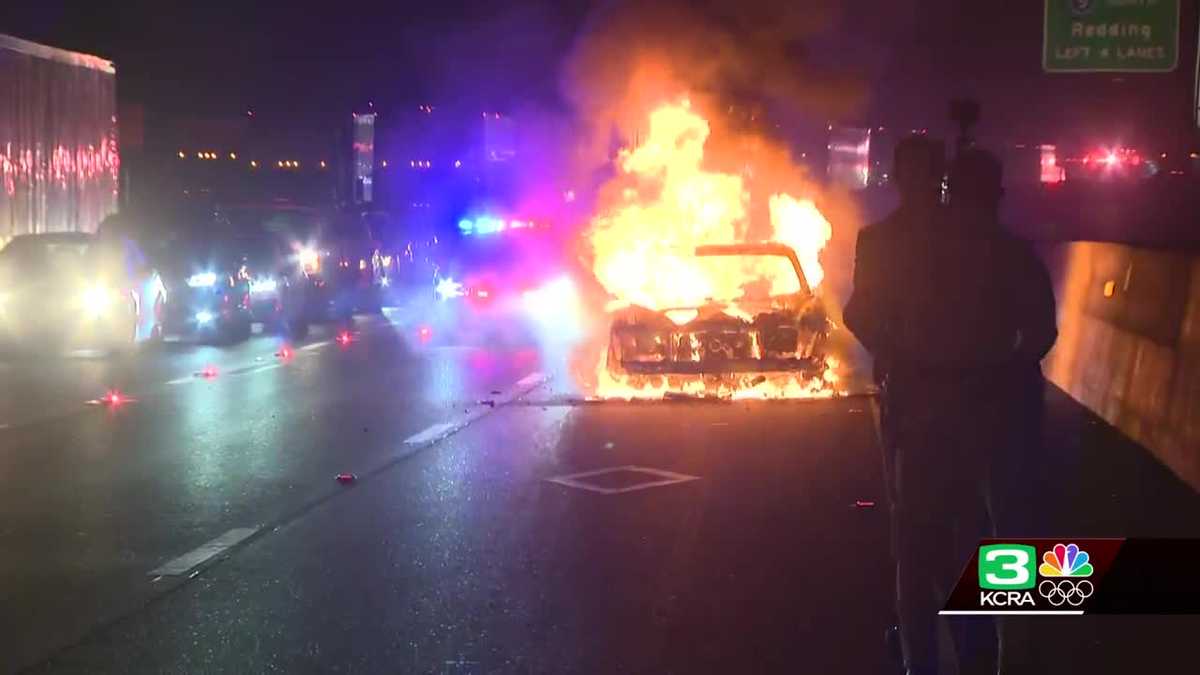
1007,575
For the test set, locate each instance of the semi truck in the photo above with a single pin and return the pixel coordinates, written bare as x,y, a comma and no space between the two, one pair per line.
59,159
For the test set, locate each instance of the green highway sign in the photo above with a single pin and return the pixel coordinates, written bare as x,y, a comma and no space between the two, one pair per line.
1119,36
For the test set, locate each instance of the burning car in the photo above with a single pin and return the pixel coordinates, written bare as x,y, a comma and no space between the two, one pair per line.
777,325
699,308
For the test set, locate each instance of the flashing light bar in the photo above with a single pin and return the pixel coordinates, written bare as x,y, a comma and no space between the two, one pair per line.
491,225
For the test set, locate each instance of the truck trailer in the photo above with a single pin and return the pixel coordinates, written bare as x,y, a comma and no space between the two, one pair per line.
59,162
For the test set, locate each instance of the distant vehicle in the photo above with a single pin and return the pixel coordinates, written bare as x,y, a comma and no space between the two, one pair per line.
499,283
1116,163
332,252
758,332
278,289
78,290
352,244
206,279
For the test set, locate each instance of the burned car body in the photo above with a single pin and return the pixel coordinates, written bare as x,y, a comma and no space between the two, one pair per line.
773,333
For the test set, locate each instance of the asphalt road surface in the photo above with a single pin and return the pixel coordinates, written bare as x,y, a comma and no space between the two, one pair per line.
200,527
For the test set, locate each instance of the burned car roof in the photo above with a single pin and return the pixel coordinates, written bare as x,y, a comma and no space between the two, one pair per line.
765,248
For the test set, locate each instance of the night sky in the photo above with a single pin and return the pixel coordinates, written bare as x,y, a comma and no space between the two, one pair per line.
310,62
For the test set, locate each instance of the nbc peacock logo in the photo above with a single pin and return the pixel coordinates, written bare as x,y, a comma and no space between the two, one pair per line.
1065,568
1065,561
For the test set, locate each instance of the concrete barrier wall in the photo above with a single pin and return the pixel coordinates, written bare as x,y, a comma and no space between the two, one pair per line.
1129,343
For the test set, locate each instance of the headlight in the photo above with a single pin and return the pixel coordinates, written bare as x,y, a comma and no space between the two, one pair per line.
202,280
264,285
449,288
553,299
556,308
98,300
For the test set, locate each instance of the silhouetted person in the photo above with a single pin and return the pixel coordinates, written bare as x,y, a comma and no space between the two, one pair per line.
872,311
917,168
975,317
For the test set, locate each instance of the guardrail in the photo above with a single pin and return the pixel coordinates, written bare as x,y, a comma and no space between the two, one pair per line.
1129,343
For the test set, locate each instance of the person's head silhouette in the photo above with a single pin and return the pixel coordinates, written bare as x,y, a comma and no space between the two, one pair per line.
976,182
918,165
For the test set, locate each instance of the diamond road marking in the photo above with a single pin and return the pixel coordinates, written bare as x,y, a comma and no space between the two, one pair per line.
186,562
664,478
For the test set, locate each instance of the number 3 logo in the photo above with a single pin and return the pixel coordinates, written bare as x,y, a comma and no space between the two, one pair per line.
1008,567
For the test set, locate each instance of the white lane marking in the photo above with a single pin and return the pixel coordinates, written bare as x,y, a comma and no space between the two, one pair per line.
436,432
315,345
531,380
4,426
432,434
181,565
181,380
576,480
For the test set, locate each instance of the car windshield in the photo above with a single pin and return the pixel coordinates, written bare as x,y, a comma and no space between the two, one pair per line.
754,278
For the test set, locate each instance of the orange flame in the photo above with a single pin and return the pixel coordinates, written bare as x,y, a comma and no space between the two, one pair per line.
664,204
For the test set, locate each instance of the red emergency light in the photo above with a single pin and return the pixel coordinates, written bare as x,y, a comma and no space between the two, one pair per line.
1115,158
113,399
